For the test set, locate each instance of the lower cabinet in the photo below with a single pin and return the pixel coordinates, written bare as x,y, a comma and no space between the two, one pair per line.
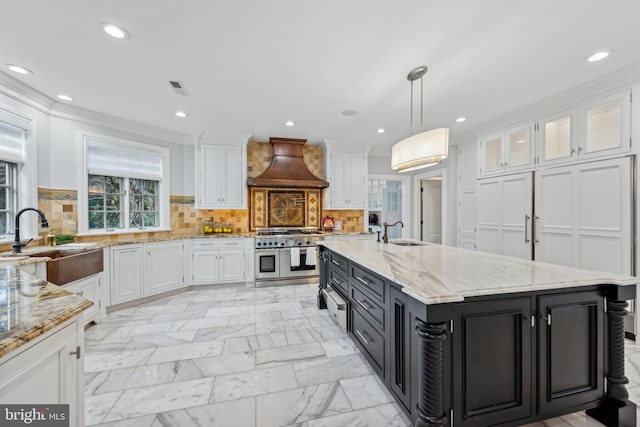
400,350
163,267
126,273
218,261
49,371
88,288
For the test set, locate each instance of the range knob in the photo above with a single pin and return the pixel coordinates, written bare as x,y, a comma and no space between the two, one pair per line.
281,243
299,243
259,244
308,242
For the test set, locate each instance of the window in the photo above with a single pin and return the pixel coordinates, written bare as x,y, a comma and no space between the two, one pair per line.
8,195
127,188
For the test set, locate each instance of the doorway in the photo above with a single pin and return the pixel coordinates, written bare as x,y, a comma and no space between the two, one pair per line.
431,210
430,206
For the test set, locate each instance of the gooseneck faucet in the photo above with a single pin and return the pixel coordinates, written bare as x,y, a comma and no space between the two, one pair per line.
385,239
17,245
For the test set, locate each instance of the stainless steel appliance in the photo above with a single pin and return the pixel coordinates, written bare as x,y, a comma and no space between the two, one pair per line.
337,306
286,256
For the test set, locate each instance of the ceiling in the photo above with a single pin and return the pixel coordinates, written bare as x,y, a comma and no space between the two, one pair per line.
251,65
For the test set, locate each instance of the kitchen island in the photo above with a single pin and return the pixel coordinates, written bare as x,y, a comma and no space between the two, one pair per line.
475,339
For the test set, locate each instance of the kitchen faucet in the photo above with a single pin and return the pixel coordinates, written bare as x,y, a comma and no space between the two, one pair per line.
17,245
385,239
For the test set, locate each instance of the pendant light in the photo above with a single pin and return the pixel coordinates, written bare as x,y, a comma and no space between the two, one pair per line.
422,149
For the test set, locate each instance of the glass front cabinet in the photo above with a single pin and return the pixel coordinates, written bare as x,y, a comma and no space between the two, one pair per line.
597,129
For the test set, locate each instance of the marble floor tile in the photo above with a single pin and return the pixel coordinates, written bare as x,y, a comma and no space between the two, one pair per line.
339,347
364,392
160,340
140,376
96,332
233,310
253,383
180,315
224,332
632,366
217,365
241,345
160,398
282,326
161,308
235,413
301,404
389,415
198,305
104,345
300,336
106,361
134,330
96,407
186,351
333,369
144,421
290,354
328,333
212,322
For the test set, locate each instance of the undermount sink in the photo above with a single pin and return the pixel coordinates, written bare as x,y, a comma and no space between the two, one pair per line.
70,264
408,243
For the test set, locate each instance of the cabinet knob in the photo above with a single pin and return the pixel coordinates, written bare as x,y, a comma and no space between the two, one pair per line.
78,352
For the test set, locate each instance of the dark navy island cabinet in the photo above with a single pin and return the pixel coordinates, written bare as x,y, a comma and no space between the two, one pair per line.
506,360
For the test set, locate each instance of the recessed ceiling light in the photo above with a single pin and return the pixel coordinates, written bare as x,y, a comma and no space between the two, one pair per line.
289,123
349,113
520,141
381,130
599,56
461,119
65,97
181,114
18,69
115,31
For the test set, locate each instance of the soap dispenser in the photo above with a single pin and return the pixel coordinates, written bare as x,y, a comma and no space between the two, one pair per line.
51,238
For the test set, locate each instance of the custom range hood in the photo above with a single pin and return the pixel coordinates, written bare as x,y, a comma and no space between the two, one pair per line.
287,169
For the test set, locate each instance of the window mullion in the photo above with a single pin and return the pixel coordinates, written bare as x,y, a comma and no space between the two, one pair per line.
126,204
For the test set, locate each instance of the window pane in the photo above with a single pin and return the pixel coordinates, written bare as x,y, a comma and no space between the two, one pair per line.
96,220
3,198
96,184
151,219
3,173
3,223
149,203
114,219
112,184
136,219
135,186
96,202
112,202
150,187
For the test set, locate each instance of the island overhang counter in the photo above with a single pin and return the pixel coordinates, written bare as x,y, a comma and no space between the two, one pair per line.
468,338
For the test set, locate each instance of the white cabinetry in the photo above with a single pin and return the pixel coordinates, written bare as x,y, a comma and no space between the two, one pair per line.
508,151
467,161
163,267
605,126
347,176
48,370
88,288
126,273
38,269
583,215
218,261
221,175
504,215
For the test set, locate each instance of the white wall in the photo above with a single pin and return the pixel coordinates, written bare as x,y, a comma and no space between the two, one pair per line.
380,165
59,155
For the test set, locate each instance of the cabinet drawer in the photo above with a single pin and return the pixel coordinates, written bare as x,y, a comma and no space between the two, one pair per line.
338,262
368,283
337,281
370,340
368,308
216,243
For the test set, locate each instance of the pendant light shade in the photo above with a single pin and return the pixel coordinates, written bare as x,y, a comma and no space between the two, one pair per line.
420,150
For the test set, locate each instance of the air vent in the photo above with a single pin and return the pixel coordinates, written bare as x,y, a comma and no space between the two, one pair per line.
178,87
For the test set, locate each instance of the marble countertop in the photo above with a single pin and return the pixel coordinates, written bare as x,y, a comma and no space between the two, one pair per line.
435,274
29,307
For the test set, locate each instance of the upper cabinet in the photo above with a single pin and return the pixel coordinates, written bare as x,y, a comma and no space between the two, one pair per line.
511,150
595,129
347,176
221,175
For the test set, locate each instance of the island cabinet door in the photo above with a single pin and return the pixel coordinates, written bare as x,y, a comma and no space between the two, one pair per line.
400,354
571,350
492,343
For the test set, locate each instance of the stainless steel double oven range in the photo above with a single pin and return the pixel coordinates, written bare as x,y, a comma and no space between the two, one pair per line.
286,256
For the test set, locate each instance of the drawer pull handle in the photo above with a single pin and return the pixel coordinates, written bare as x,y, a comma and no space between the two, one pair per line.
363,304
336,263
361,280
77,353
362,335
81,293
336,281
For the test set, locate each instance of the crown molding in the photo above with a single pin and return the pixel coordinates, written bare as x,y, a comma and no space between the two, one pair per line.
616,81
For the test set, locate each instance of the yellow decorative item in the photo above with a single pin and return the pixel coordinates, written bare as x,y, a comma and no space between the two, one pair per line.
208,226
217,227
